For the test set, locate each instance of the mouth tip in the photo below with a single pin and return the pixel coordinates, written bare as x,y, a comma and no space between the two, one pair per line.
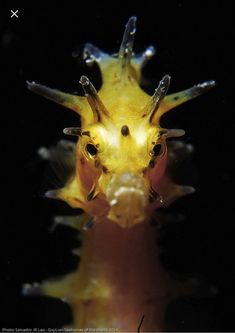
127,197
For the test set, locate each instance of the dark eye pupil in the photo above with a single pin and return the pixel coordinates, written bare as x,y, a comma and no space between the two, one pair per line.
157,149
91,149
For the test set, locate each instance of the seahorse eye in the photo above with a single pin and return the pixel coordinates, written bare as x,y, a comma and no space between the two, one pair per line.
91,149
157,149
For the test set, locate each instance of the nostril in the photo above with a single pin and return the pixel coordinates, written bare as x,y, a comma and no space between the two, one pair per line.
118,216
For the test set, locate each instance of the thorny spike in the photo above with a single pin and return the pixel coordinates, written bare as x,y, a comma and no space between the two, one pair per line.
32,289
44,153
187,189
180,149
149,52
96,105
158,96
53,153
66,145
75,131
52,288
141,59
69,221
75,221
68,100
52,194
176,99
93,54
172,133
138,61
76,252
125,52
176,192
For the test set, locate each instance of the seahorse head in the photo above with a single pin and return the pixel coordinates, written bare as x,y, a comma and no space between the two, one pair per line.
121,153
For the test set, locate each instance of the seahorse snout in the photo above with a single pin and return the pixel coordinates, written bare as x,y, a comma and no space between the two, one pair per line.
127,197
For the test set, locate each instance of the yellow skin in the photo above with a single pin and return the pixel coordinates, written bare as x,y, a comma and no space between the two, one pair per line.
120,180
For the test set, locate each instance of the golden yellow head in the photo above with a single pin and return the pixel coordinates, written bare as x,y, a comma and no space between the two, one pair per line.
121,153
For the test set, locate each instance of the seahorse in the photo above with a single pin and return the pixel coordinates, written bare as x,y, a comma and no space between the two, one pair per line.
120,177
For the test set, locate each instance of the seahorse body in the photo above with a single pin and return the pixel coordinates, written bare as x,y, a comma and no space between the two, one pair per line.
120,178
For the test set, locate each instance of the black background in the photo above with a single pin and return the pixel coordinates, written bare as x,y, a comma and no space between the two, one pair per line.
194,43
